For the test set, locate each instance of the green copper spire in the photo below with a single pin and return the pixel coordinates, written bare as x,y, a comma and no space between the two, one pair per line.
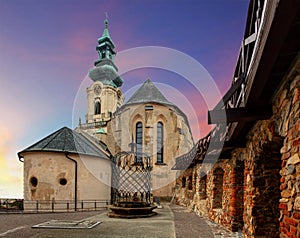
105,36
105,47
100,130
105,32
106,71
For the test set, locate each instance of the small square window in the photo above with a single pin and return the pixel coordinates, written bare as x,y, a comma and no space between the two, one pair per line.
148,107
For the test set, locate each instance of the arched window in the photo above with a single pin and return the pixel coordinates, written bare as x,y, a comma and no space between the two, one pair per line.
202,186
190,183
139,141
183,182
218,187
160,141
97,108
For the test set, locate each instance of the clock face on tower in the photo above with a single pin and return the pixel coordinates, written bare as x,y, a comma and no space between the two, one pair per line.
97,89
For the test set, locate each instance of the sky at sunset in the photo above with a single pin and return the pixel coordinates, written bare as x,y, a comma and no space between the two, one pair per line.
47,48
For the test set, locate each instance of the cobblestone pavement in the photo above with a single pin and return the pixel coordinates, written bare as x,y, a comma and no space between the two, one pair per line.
221,232
19,225
171,220
188,224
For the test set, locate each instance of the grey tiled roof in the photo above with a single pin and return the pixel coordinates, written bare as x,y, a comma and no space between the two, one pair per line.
148,92
68,141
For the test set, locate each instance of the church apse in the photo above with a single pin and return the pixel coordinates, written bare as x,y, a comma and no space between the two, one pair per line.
156,126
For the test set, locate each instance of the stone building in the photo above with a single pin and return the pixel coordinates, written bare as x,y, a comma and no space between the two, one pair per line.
65,168
76,166
104,95
158,127
147,120
254,185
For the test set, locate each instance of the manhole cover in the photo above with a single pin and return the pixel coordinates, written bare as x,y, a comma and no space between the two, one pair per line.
59,224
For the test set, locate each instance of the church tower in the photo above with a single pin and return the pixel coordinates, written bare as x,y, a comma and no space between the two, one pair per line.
104,95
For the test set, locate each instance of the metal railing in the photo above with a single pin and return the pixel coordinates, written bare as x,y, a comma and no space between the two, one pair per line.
236,95
206,145
39,206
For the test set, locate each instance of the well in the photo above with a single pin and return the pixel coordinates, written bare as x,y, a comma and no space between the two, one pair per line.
131,186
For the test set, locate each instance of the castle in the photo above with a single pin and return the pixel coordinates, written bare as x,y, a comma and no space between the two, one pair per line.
75,165
245,174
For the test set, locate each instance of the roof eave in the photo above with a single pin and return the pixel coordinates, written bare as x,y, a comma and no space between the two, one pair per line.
20,154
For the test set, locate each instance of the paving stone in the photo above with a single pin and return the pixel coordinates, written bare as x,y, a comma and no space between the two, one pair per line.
172,221
189,224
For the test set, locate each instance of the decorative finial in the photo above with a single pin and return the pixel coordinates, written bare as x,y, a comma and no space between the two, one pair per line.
106,19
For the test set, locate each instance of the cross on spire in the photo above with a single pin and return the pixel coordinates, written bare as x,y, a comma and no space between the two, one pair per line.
106,19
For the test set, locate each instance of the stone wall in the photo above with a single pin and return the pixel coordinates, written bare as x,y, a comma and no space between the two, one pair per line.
177,139
287,117
261,183
185,196
215,195
50,177
262,194
272,167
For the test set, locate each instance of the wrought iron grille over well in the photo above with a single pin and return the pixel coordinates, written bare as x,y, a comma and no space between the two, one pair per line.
131,180
131,186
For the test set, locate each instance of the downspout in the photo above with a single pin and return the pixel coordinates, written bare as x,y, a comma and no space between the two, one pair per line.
75,195
21,158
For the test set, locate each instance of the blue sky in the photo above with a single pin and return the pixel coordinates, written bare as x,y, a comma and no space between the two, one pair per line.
47,48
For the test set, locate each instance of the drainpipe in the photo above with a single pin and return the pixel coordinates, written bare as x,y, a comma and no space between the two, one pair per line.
66,154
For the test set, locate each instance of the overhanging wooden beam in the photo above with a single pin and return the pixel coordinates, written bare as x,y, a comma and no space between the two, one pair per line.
230,92
238,114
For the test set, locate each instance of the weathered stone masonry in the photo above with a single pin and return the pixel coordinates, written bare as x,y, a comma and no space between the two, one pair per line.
260,183
287,116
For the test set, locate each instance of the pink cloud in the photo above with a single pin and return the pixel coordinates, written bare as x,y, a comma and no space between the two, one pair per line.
10,172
